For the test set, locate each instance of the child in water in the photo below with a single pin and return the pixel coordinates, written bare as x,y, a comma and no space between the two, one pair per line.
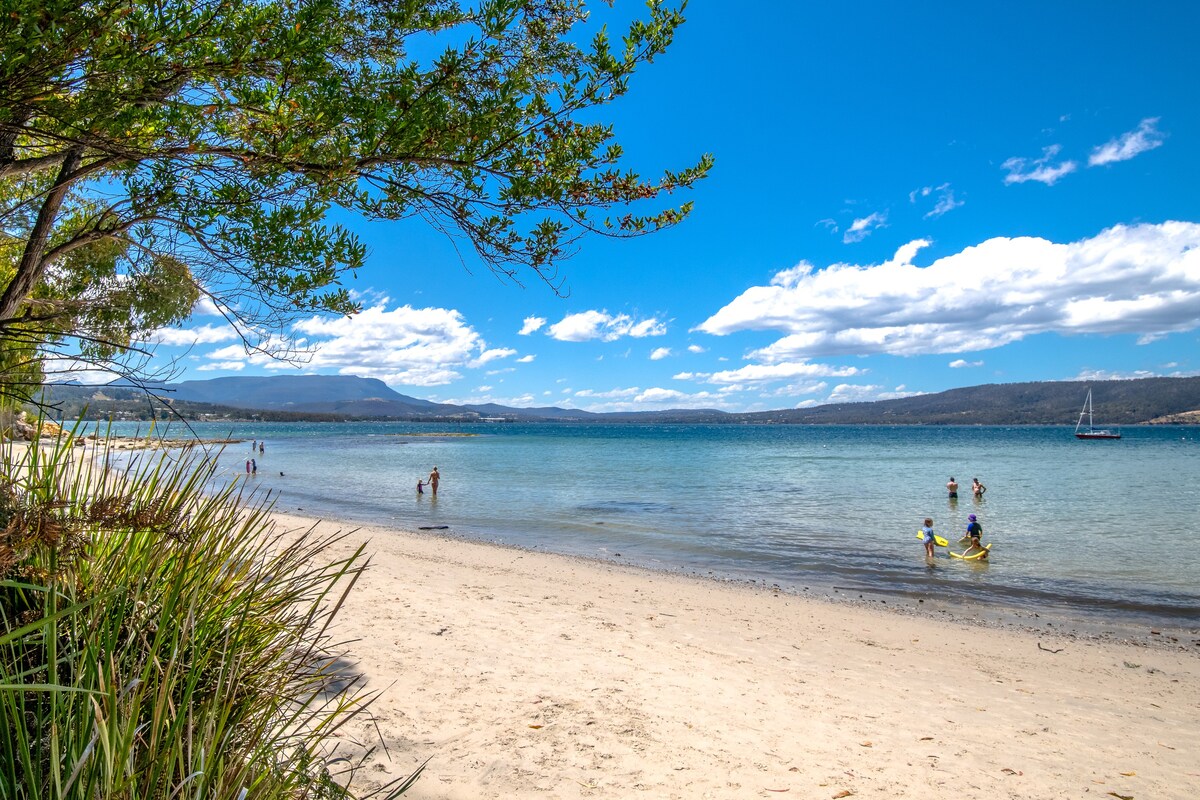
974,532
420,486
927,532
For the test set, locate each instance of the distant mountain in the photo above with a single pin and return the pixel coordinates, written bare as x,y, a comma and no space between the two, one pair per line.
344,394
1127,402
341,397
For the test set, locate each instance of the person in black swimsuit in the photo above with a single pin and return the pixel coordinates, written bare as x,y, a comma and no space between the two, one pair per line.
952,488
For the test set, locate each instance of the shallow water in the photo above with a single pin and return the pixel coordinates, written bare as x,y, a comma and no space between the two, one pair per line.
1104,526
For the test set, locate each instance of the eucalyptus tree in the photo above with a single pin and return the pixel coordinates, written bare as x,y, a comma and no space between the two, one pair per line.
156,152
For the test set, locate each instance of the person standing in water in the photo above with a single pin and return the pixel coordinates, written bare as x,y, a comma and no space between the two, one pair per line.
927,535
952,488
977,488
433,479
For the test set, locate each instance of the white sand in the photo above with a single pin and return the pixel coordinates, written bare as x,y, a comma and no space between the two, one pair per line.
522,674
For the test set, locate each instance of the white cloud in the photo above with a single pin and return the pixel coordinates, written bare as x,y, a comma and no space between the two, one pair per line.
793,389
205,307
945,201
526,359
514,401
758,374
1109,375
610,394
1128,145
695,348
1137,279
640,330
852,393
659,353
829,225
237,353
589,325
1022,170
69,369
654,398
491,355
959,363
657,395
224,366
531,324
186,337
863,227
404,346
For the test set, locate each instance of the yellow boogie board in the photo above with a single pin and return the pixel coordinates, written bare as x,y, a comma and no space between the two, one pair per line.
973,556
939,541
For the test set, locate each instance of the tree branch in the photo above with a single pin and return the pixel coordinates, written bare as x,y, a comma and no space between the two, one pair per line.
32,263
28,166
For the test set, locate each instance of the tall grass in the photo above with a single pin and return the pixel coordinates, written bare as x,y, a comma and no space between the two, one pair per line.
159,641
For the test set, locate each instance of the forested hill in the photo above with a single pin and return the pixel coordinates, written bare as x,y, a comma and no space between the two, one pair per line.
1126,402
331,398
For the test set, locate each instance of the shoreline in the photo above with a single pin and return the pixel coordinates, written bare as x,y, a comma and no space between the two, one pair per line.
1082,614
524,673
796,539
1143,628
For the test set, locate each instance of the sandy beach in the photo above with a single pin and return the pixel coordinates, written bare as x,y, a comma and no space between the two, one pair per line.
523,674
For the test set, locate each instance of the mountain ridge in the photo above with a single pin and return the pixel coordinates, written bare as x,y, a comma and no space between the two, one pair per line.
345,397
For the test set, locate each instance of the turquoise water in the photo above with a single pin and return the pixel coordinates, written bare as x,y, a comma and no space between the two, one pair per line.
1106,526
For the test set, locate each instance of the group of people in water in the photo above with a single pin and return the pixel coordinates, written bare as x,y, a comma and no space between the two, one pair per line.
251,463
977,488
431,482
974,529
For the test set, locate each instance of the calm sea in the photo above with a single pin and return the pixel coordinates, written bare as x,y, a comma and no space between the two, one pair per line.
1106,527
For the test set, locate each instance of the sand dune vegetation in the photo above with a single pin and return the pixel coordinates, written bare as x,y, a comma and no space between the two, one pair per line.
157,643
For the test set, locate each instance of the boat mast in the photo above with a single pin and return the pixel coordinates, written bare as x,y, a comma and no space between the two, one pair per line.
1087,409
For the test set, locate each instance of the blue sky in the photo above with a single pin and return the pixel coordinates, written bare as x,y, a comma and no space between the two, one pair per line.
907,198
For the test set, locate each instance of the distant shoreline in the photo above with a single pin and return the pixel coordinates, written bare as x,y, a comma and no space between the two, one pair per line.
347,398
1189,420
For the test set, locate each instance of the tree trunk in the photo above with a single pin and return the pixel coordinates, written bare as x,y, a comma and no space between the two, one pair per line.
32,263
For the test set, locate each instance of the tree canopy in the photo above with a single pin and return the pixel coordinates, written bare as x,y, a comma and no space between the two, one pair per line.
156,153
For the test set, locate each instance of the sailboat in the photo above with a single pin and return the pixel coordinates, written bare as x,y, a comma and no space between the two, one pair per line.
1092,432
